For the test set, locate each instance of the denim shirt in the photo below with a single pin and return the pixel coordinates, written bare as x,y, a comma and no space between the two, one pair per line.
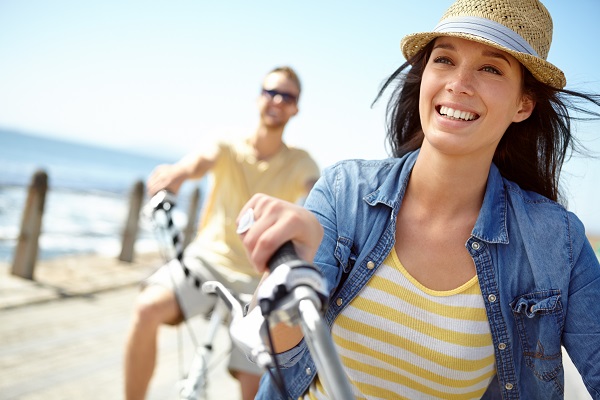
539,276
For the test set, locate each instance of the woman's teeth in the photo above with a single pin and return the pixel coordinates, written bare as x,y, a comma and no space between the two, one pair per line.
457,114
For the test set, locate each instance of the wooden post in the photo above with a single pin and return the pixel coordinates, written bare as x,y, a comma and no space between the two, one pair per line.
132,225
26,250
190,229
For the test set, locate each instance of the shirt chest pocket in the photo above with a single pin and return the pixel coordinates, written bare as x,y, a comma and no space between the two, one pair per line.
539,320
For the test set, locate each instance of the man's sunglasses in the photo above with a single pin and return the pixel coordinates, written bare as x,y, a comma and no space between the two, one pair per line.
285,97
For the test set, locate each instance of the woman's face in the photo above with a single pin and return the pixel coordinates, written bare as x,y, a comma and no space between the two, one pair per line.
470,94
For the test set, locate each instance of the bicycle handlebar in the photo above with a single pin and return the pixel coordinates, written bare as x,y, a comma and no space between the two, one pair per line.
247,332
165,201
162,200
289,271
284,254
294,293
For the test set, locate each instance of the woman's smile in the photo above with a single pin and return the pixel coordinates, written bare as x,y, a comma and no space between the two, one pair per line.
456,114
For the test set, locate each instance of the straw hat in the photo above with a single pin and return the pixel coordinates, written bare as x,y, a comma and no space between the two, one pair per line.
522,28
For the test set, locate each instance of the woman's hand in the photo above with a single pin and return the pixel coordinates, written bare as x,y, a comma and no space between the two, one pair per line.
275,222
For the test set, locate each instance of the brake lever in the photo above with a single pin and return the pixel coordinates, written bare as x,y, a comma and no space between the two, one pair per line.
249,332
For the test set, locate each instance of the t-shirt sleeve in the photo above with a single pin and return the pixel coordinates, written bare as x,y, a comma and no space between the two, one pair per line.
307,172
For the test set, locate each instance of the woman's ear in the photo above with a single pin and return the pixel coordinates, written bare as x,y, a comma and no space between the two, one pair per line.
527,106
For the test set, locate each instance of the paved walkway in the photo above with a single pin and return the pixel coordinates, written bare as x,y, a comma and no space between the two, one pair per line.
62,335
72,276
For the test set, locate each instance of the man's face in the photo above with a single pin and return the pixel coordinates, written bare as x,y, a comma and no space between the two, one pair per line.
278,101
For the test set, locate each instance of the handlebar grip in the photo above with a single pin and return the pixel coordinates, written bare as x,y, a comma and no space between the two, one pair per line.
283,281
164,197
285,254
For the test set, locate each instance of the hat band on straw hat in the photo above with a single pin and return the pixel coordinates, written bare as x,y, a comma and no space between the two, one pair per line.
486,29
522,28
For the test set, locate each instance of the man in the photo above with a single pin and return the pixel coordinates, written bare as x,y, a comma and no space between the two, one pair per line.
261,163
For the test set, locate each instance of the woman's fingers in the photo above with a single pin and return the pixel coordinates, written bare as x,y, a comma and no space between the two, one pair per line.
274,222
256,235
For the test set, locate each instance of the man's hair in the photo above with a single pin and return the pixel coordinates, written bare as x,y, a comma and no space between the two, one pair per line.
290,74
531,153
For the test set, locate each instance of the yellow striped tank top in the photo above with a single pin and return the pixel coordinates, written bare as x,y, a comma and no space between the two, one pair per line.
400,340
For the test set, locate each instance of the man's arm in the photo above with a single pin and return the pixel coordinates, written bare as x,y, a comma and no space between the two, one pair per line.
172,176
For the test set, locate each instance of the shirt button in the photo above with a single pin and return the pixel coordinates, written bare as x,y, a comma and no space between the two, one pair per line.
502,346
339,301
492,298
508,386
308,371
475,245
370,265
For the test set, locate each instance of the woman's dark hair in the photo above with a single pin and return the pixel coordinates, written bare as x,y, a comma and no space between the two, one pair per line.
531,153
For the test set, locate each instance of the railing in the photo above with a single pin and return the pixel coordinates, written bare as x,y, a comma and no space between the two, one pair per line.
26,249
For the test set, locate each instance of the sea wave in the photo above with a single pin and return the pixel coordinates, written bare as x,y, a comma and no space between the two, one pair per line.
87,199
75,222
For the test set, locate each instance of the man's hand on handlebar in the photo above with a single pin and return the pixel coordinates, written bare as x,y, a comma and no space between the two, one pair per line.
168,177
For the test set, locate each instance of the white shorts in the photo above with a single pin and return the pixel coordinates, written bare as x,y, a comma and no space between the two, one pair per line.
193,301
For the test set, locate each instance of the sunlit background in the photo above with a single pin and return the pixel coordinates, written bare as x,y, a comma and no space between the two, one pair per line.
114,87
160,78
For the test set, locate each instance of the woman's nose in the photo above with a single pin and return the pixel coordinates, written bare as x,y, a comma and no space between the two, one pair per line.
461,82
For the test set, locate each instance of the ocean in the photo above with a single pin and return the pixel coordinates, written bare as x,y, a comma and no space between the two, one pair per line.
87,200
89,187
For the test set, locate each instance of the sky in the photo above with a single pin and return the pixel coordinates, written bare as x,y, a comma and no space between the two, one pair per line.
165,77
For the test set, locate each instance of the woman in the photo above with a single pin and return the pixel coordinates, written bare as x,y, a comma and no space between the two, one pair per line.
453,270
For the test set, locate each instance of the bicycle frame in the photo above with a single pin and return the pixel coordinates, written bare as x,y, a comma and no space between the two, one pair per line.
300,303
192,386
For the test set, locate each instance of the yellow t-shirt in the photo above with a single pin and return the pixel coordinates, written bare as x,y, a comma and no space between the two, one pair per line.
236,176
401,340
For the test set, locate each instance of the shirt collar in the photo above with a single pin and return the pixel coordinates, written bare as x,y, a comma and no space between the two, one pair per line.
389,192
491,222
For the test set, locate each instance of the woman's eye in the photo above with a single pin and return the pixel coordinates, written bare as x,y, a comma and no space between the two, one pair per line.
492,70
442,60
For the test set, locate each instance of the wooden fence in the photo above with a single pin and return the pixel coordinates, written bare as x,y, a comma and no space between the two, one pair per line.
26,249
